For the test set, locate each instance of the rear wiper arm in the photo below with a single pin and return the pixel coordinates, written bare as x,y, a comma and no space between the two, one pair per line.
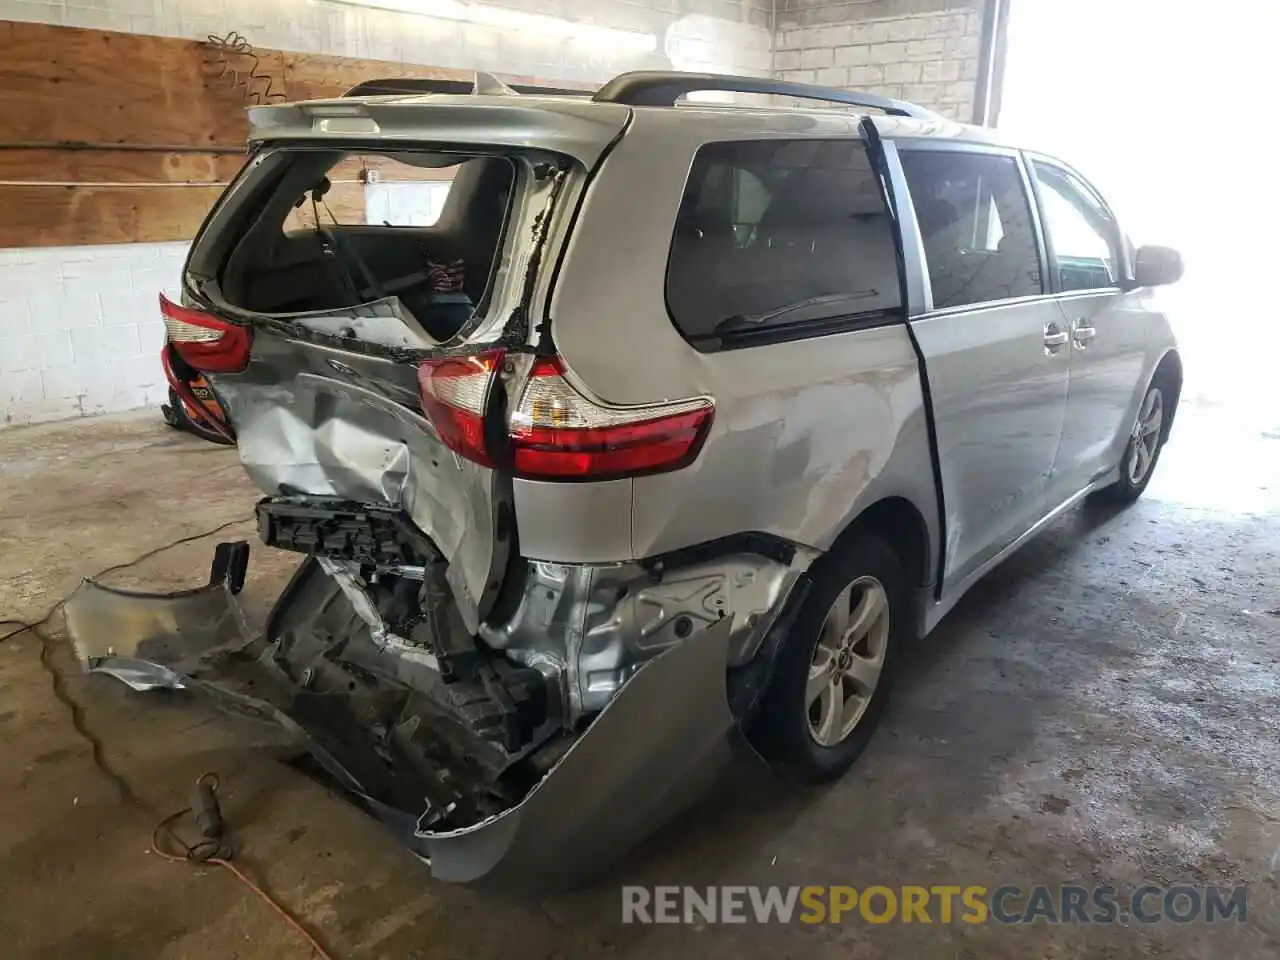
741,320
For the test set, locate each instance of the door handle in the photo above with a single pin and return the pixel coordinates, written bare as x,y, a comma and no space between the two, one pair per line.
1054,338
1082,333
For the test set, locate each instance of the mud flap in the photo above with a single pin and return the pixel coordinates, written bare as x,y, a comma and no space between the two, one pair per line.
657,746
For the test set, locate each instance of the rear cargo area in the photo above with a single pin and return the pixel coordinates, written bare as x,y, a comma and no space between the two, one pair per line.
328,283
424,227
311,229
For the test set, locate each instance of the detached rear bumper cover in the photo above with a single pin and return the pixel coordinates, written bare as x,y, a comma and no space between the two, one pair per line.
659,743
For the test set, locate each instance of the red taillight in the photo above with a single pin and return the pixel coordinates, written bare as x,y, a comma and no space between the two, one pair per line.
558,434
204,341
454,393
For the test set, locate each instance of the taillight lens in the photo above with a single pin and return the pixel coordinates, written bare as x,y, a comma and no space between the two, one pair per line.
454,393
558,434
207,343
555,432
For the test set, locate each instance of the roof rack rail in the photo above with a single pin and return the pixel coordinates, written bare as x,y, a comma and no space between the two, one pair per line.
484,83
662,88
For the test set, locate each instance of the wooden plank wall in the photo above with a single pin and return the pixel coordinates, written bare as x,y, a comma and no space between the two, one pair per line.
114,137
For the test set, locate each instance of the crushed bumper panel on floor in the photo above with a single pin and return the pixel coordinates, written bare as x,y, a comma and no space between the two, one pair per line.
655,748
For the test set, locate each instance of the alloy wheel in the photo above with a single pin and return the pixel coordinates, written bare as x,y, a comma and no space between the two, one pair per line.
848,660
1146,436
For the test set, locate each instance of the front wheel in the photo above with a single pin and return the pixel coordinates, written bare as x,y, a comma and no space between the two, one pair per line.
832,677
1146,440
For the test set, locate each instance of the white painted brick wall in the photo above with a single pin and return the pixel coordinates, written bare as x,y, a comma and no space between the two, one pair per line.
80,331
927,58
688,34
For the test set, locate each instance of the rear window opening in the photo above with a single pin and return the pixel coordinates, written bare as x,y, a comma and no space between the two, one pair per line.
327,229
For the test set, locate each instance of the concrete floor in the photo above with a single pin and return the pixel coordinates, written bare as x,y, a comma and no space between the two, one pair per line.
1104,708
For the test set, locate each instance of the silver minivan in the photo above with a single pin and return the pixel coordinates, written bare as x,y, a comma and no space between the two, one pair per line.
621,431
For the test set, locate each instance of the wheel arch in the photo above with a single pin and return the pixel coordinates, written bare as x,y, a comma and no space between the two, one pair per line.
894,518
1169,373
901,524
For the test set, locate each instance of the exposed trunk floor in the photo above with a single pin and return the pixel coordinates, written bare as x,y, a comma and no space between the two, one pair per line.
1105,708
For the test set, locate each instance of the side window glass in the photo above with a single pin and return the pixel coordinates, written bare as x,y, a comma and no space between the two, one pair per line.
975,222
1079,231
776,234
976,225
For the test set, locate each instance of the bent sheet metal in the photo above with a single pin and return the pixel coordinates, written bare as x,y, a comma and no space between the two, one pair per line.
656,747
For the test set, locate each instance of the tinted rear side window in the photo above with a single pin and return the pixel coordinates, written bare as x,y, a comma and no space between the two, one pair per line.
778,236
975,221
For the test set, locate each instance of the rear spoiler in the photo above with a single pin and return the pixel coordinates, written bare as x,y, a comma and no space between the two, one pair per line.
484,83
646,88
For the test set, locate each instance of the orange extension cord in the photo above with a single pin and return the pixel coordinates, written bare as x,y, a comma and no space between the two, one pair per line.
215,852
206,851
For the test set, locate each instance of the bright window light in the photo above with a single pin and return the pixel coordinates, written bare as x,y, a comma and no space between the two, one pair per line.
629,41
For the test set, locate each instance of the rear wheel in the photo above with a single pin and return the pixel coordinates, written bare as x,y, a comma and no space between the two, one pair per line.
832,677
1146,439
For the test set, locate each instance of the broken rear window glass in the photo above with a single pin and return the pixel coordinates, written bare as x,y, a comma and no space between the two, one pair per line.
330,229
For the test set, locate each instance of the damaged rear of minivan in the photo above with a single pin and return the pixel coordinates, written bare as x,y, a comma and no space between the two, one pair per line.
368,303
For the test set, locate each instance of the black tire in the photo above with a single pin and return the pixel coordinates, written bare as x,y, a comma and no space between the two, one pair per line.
781,729
1126,490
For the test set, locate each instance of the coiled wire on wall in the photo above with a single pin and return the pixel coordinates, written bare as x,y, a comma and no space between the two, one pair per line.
229,53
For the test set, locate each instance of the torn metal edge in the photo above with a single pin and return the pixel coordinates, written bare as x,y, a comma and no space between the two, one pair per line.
658,745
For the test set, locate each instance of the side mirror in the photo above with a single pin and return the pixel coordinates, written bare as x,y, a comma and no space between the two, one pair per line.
1155,266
